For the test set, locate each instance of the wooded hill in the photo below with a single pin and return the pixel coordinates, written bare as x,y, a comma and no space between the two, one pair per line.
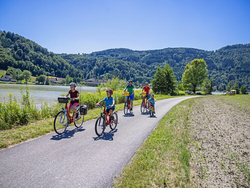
229,63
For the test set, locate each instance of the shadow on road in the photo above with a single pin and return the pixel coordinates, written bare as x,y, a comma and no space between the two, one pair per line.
128,115
152,116
67,134
106,136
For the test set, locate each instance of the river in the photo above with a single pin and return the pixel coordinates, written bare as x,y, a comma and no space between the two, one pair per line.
40,93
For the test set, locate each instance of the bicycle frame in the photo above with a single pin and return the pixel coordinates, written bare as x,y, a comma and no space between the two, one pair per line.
66,111
128,101
106,114
144,100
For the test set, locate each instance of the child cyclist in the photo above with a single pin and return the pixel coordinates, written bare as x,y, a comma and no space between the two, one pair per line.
152,101
74,98
130,88
110,103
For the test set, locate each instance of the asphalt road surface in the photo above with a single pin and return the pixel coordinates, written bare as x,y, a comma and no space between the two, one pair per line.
79,158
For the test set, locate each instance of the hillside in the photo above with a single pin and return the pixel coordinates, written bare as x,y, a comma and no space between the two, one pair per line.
225,64
229,63
19,52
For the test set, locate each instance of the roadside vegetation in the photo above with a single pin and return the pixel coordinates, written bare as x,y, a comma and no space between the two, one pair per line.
163,160
21,120
201,142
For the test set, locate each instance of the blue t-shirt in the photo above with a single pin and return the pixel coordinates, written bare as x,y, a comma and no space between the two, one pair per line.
109,101
152,101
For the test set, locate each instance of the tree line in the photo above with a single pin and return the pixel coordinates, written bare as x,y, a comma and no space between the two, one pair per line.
230,63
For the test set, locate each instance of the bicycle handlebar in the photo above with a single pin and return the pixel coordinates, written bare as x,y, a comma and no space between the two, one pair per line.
103,105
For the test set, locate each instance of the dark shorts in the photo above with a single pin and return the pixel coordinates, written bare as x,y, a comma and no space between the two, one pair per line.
110,109
148,96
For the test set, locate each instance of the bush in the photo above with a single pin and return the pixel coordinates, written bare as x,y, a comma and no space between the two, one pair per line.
90,99
15,112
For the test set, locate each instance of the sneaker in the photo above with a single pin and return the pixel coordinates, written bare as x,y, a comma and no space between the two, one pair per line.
77,115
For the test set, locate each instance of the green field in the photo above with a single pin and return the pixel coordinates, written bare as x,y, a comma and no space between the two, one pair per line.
170,155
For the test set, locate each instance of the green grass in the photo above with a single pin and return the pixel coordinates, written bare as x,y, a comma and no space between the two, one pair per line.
41,127
163,159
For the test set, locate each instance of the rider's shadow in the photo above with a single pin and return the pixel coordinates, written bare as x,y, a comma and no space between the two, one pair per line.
106,136
67,134
152,116
128,115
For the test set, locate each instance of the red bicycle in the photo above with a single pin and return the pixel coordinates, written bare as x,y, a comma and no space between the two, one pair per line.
127,103
63,118
144,103
104,120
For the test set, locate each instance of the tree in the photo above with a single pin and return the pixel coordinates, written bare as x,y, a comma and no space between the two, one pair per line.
114,84
236,87
164,80
67,80
220,88
180,87
47,81
194,75
243,89
26,75
41,79
207,85
229,85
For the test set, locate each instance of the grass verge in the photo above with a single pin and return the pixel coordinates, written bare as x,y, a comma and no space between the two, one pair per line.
42,127
163,159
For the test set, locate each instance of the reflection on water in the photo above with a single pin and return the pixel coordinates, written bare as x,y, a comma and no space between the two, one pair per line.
40,93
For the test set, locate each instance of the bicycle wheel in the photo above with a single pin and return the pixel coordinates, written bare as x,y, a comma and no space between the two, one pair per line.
78,123
125,107
143,109
100,126
60,122
114,123
151,111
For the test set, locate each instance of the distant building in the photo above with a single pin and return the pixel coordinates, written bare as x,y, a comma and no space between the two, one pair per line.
7,78
55,80
94,82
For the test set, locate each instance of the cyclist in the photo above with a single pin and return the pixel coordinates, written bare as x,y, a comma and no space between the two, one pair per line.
110,102
130,88
146,88
152,101
74,98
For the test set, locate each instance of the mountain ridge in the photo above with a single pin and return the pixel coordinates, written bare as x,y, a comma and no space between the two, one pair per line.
229,63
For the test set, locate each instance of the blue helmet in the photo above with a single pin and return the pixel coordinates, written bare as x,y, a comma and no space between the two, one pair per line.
72,84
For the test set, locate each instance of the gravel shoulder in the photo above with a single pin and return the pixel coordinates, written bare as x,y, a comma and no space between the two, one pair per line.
220,153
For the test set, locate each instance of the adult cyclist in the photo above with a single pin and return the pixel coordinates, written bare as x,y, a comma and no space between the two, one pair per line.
130,88
146,88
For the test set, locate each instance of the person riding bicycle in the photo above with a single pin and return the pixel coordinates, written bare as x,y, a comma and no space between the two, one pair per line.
146,88
130,88
110,103
152,101
74,98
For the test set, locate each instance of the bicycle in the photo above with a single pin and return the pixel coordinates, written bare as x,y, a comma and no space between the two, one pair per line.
144,104
63,119
151,110
127,104
104,120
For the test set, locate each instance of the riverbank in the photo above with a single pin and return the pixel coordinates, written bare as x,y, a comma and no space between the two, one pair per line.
201,142
41,127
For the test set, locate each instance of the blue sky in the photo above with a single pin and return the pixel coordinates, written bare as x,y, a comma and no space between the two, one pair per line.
81,26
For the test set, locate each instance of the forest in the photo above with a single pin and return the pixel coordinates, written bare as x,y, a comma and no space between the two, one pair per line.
230,63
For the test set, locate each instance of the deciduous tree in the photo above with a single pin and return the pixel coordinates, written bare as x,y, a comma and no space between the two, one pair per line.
194,75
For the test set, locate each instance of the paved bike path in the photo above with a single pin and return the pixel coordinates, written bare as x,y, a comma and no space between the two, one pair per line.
79,158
